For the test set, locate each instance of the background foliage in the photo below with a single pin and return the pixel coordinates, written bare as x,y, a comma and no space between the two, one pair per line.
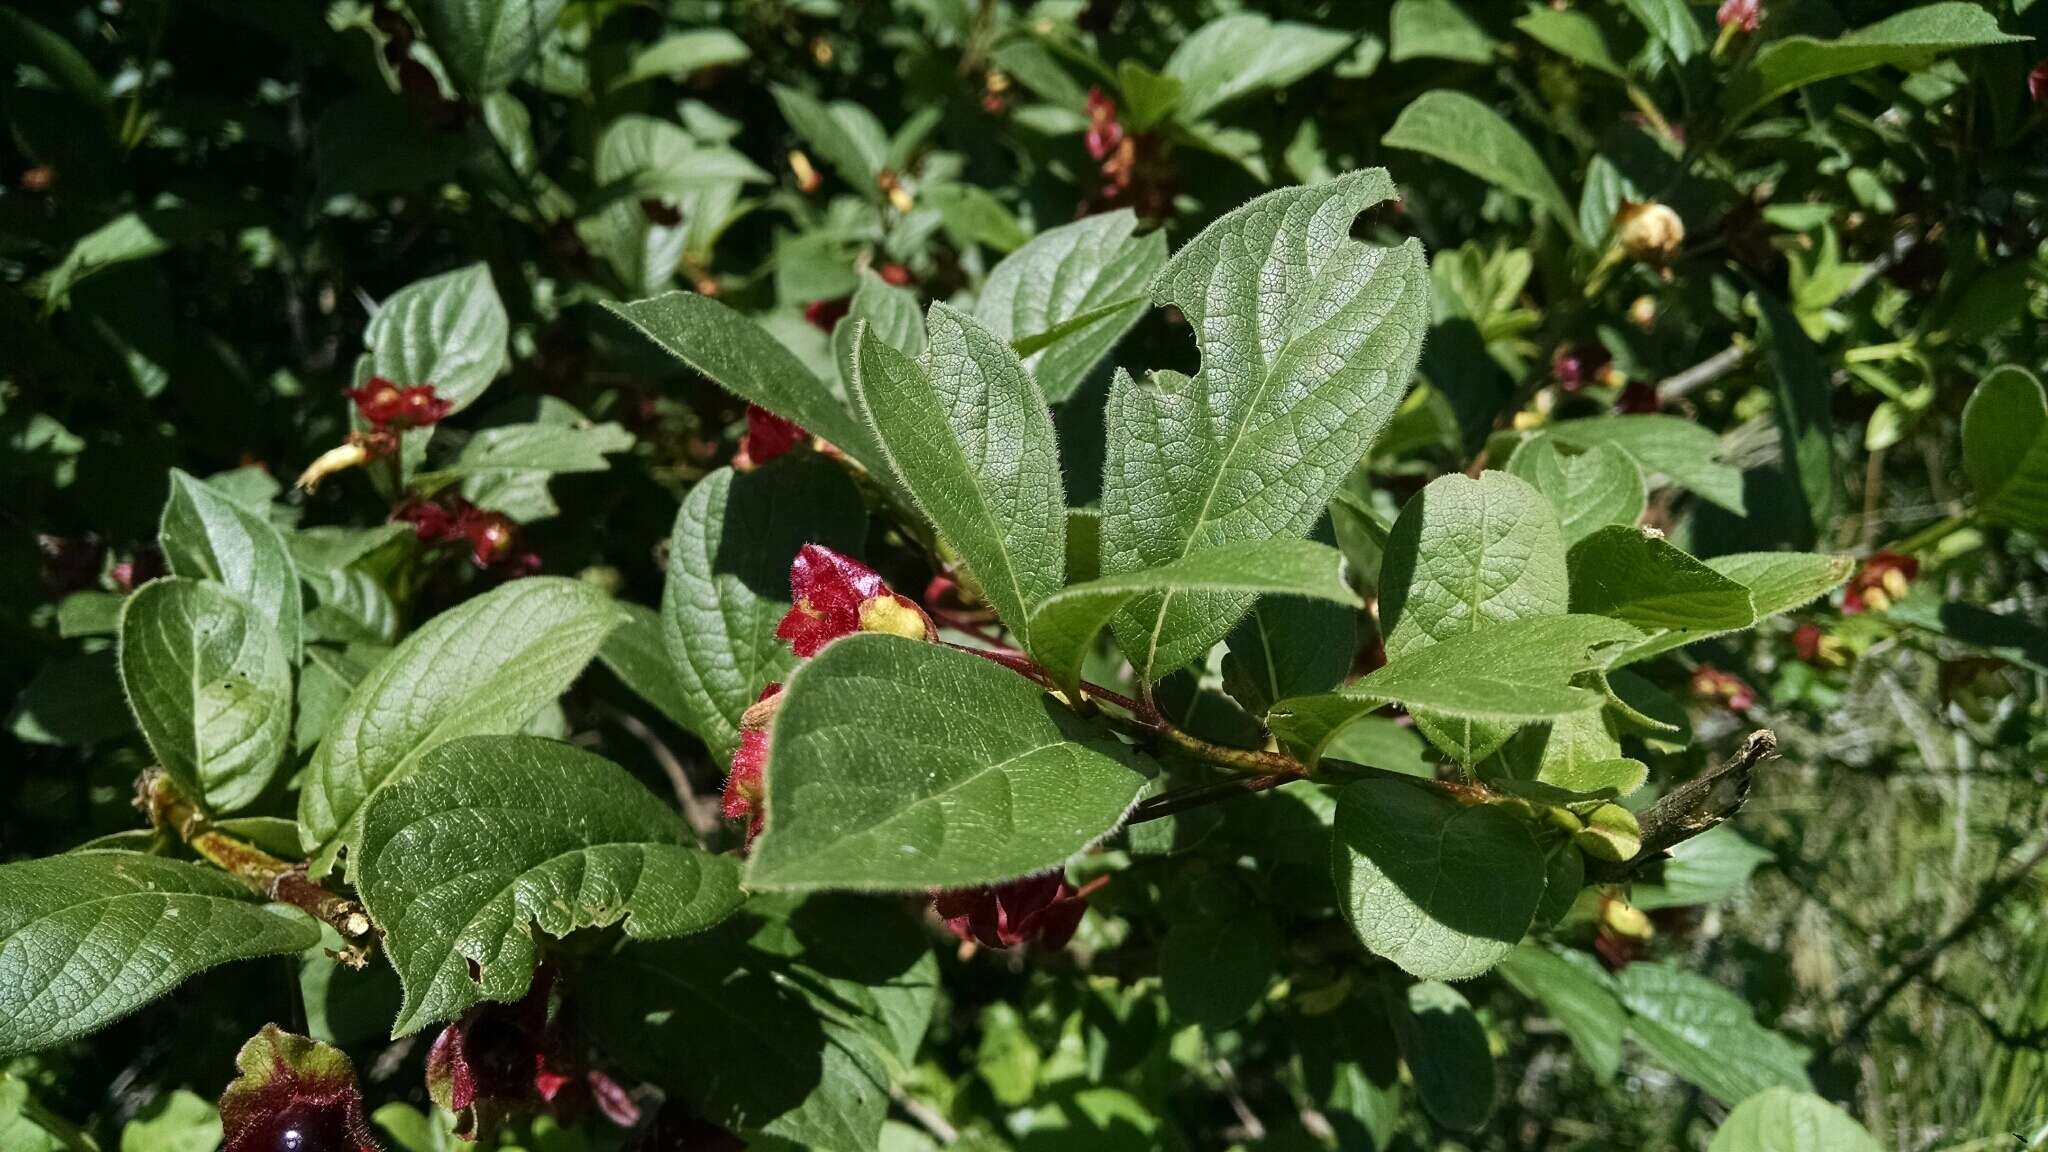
215,215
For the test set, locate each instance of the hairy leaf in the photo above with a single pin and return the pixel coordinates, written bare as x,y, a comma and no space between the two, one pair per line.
1910,40
1680,451
1777,582
1441,888
1065,298
88,937
1065,626
206,534
1459,129
493,837
900,765
448,330
1632,575
484,667
728,582
969,436
1590,490
1308,340
210,687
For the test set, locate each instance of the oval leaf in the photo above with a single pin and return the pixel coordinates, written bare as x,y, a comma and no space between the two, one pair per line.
207,535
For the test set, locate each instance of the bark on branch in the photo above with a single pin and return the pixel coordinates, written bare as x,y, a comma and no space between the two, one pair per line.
1693,807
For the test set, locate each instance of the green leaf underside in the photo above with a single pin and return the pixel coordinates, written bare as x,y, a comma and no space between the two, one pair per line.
1911,39
728,582
1706,1034
1579,995
783,1021
88,937
900,765
1467,553
491,837
2005,449
1589,491
484,667
448,330
1308,341
968,434
742,358
1646,580
1443,889
1785,1120
209,686
1065,626
1073,292
1518,672
207,535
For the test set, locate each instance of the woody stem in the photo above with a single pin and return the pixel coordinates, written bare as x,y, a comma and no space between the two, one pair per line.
270,877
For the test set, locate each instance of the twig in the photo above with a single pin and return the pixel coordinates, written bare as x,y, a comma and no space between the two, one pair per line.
701,812
1918,964
1171,803
268,876
1682,384
1693,807
1248,1120
927,1117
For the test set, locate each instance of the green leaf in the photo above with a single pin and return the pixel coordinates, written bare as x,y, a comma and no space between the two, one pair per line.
1591,490
1245,52
487,44
24,1123
1515,673
448,330
637,654
900,765
1148,97
1706,869
1777,582
1574,35
1441,888
728,582
1308,340
1289,646
483,667
88,937
1706,1035
1681,451
1673,24
642,157
889,314
1067,297
2005,449
973,215
1909,40
843,134
1218,956
1064,627
182,1121
73,700
1460,130
782,1023
206,535
1802,395
1436,29
1784,1120
210,687
1640,577
1448,1055
493,837
742,358
1579,995
969,437
680,55
1467,553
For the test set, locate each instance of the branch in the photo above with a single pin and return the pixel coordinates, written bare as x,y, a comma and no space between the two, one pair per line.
1682,384
1693,807
700,812
1917,965
270,877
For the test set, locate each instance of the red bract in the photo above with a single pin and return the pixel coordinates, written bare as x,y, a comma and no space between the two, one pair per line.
2037,83
294,1093
1726,688
491,536
386,405
1637,399
746,785
767,437
1744,14
837,596
826,314
896,274
1105,130
1045,909
1883,580
504,1060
